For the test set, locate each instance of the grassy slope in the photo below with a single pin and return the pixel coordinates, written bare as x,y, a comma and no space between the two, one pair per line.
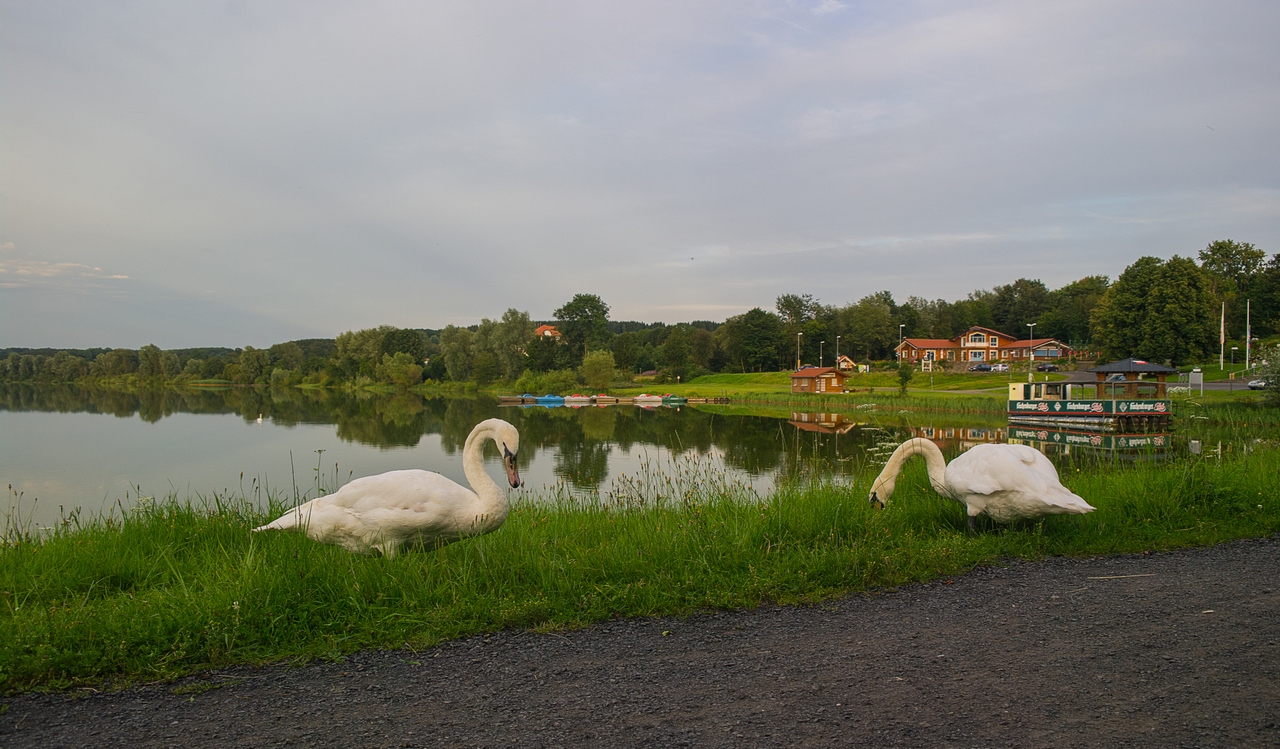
174,590
780,382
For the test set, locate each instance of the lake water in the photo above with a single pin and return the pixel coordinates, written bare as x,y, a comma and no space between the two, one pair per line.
63,448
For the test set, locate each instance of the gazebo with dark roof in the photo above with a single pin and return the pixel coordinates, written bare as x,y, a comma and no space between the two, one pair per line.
1131,369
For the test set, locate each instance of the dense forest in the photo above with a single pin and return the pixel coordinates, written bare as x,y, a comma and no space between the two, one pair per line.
1163,310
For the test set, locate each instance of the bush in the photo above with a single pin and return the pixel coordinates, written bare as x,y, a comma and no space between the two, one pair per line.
905,372
1269,370
401,369
558,381
597,369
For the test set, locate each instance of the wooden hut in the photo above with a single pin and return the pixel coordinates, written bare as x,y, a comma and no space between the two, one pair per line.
817,380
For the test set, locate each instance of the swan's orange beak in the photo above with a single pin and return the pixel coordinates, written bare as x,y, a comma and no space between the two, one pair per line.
513,473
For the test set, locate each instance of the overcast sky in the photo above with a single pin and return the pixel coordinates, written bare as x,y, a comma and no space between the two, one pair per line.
231,173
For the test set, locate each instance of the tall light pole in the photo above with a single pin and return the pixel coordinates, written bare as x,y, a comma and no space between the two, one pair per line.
1031,347
1248,332
798,351
820,345
900,327
837,352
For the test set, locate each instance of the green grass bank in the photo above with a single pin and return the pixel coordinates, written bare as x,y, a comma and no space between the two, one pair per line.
178,587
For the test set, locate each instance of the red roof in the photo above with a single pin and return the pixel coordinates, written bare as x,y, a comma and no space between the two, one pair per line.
1034,342
931,342
816,372
546,330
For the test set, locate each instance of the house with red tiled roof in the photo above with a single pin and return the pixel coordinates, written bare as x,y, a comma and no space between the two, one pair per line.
547,331
979,344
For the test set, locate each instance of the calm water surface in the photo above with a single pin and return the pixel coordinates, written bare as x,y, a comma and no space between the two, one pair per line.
63,448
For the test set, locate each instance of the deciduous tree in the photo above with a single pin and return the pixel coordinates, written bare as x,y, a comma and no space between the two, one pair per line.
584,324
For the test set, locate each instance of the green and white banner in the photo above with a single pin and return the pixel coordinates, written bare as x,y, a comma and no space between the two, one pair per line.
1091,407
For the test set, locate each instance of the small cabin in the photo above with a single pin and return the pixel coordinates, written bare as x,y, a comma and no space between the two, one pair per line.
817,380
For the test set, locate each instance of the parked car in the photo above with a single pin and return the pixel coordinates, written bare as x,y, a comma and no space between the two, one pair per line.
980,367
1046,367
1001,367
1257,384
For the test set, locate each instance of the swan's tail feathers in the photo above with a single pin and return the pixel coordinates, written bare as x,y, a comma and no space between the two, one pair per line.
1073,504
288,521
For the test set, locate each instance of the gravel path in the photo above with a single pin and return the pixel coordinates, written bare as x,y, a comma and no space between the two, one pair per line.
1160,650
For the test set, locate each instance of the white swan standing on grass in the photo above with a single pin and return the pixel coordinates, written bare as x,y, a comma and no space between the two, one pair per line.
395,508
1007,482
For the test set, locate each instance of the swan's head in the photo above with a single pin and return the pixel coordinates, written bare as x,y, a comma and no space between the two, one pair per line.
508,440
881,490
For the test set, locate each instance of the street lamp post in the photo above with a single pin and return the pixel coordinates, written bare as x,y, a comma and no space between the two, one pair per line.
900,327
820,345
837,352
1031,347
798,351
1234,349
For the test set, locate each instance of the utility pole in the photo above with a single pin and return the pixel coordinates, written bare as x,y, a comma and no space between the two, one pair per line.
798,351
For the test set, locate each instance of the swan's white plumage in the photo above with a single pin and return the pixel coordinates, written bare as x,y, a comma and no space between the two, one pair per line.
1004,482
392,509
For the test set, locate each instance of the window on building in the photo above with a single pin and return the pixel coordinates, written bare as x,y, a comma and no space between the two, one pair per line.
977,338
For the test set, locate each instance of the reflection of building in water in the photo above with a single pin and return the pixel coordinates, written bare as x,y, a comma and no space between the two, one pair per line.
1065,442
823,423
961,437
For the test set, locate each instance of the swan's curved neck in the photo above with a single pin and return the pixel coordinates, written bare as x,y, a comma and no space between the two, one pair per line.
493,500
932,458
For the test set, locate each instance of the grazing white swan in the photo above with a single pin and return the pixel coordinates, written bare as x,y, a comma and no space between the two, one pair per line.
1007,482
391,509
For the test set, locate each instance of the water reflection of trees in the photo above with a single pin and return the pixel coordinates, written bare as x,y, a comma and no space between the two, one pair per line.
581,440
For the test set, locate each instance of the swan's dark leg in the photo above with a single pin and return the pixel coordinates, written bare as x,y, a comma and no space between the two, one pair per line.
973,526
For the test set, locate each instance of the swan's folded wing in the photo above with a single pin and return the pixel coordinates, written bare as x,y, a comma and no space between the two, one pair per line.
400,489
1021,473
983,471
987,469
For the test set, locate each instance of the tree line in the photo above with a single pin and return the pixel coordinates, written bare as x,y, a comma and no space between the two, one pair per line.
1162,310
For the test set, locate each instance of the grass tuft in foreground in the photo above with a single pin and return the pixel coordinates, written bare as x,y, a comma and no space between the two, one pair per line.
176,587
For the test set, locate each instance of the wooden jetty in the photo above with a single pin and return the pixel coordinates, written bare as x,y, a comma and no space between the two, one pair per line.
610,400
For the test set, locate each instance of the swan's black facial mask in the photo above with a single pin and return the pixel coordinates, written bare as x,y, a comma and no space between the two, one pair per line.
513,473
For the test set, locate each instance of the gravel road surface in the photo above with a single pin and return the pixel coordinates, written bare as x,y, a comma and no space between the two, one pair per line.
1178,649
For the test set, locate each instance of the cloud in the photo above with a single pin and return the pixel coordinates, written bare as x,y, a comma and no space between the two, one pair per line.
19,271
